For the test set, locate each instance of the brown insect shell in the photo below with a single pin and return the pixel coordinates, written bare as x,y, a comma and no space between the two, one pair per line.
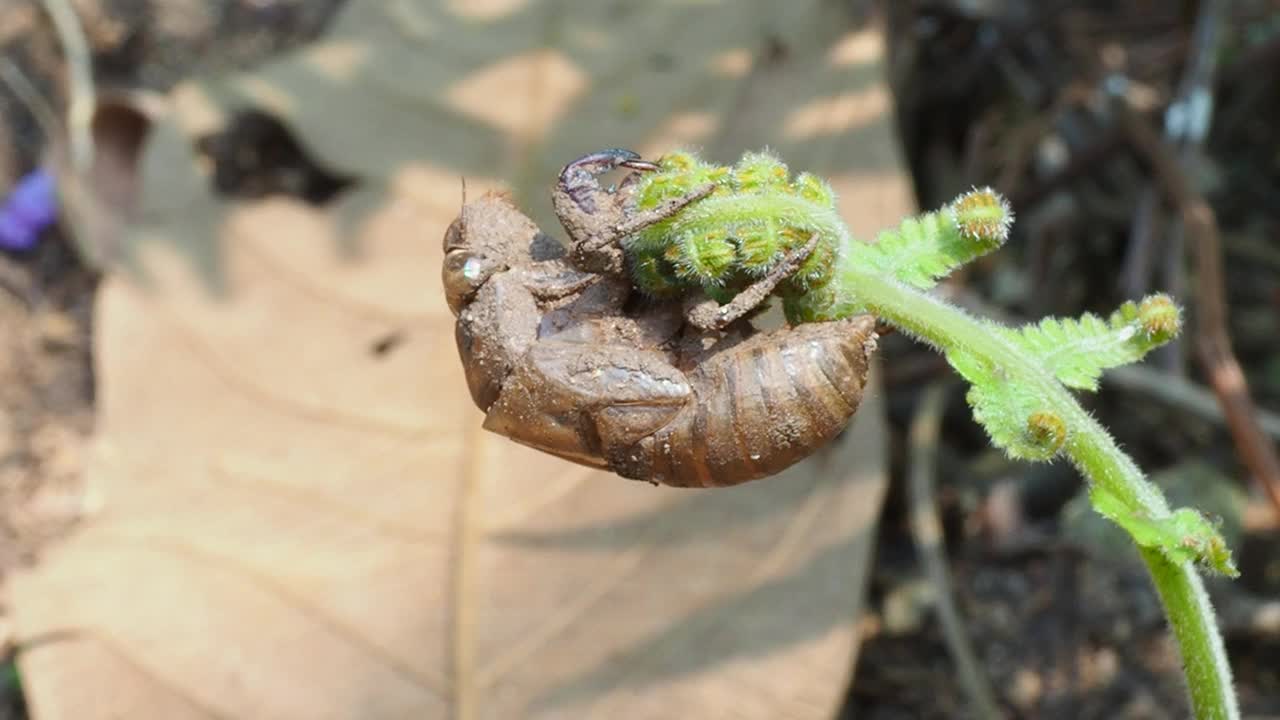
553,397
492,259
759,407
489,236
512,292
588,357
576,379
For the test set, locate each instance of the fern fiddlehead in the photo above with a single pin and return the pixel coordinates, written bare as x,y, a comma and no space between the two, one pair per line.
724,242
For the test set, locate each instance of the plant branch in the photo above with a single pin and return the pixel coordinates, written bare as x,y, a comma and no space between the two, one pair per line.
80,74
948,329
1018,378
926,529
1093,451
1204,659
1214,340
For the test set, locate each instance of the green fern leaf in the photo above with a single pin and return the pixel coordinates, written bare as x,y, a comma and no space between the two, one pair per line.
1014,417
1185,535
1078,350
925,249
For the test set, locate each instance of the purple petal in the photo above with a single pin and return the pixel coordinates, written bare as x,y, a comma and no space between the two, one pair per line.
31,207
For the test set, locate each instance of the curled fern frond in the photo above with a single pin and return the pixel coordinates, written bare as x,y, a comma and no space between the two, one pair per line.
707,257
925,249
759,172
983,217
1078,350
1047,431
756,215
814,189
1184,535
1161,319
654,275
758,246
1019,378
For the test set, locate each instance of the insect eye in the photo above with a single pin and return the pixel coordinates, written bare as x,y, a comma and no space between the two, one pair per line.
464,272
453,238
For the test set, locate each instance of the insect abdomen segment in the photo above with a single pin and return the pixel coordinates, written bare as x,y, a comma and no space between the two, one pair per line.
760,407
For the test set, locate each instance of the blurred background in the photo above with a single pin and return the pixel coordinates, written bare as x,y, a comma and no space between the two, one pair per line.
240,474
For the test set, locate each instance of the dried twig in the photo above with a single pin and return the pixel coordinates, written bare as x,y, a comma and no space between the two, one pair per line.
1143,234
80,73
1184,394
1187,123
926,528
30,96
1213,341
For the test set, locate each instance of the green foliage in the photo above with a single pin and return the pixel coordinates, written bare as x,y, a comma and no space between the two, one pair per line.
925,249
1019,378
10,681
756,215
1076,351
1183,536
1007,409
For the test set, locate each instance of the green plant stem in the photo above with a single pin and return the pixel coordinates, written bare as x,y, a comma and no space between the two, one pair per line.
1093,451
1204,660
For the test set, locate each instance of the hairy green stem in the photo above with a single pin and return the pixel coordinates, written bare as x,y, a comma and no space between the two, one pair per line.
1093,451
1204,660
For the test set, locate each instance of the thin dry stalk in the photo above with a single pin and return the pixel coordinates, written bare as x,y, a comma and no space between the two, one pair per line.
1213,341
926,528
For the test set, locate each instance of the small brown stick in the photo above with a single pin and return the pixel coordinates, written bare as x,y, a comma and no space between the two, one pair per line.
1183,394
1186,126
1213,341
1143,234
926,530
80,74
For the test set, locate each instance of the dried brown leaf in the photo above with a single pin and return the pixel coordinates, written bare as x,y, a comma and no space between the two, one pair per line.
295,525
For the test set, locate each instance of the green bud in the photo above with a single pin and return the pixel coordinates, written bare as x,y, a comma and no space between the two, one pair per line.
814,189
707,257
757,172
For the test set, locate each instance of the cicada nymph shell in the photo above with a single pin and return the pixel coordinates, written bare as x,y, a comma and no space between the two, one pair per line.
559,361
759,407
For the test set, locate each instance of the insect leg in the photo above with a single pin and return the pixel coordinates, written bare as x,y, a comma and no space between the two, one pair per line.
645,218
607,240
557,280
589,402
578,178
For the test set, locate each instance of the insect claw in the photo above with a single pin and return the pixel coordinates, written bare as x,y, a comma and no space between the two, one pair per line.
578,178
593,214
586,167
641,165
